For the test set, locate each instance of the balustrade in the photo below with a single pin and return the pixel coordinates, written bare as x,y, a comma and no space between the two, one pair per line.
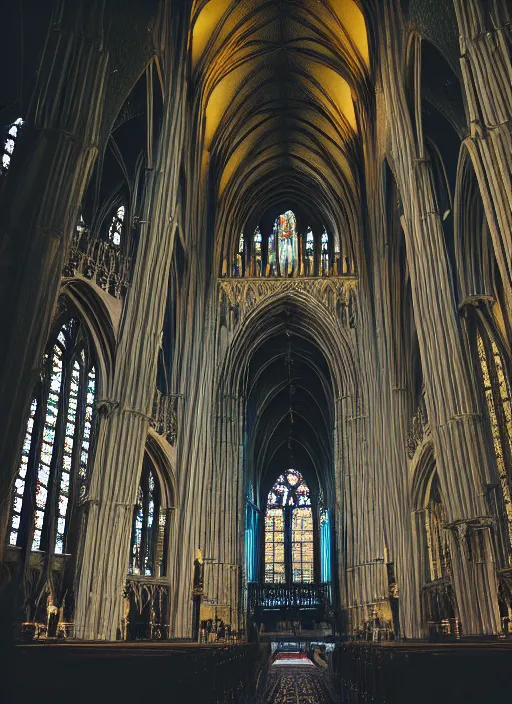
270,596
99,261
165,415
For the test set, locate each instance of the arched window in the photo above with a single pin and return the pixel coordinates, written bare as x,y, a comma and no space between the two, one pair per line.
285,233
289,531
53,470
325,253
10,142
437,542
496,388
149,535
239,259
115,231
309,259
257,252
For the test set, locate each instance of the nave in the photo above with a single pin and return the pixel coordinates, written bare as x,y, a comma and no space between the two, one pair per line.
256,350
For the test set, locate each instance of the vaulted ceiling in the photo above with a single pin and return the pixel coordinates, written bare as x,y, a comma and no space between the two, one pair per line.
277,80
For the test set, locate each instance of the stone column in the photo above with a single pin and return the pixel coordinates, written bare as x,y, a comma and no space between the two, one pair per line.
123,428
457,432
39,201
486,72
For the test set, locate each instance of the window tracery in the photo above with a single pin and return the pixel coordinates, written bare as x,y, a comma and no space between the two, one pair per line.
53,469
499,410
148,543
10,143
286,252
289,531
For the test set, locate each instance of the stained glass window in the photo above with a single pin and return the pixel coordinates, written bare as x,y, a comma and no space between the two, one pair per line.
55,452
257,252
10,142
499,409
437,537
149,527
285,232
309,268
115,231
20,483
325,253
289,531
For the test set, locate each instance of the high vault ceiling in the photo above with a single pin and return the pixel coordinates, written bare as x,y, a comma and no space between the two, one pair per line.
277,81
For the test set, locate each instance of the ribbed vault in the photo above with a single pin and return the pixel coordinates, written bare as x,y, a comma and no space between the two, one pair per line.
289,410
277,83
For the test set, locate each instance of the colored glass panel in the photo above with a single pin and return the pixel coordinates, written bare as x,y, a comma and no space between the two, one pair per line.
285,232
19,485
504,399
45,458
116,226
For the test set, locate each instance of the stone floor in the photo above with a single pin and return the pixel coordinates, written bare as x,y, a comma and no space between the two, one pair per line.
294,679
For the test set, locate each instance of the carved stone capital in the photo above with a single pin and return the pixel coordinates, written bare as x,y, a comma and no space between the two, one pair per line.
106,407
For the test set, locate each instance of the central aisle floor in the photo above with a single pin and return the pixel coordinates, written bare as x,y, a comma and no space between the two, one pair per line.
294,679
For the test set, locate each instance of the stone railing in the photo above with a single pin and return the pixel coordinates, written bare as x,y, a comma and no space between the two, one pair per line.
270,596
99,261
164,416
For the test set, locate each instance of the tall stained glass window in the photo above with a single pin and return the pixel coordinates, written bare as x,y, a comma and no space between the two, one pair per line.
10,142
257,252
285,233
499,410
115,231
325,253
289,543
53,469
309,260
149,539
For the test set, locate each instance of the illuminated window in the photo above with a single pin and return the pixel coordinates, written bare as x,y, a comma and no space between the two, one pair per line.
325,545
285,233
115,231
309,268
55,455
257,252
148,545
499,409
289,531
10,142
325,253
437,538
